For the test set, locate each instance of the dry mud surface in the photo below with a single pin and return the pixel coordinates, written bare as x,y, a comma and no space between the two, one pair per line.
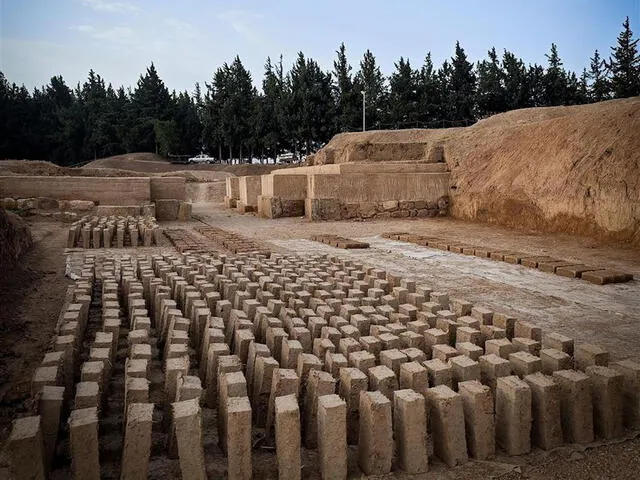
31,296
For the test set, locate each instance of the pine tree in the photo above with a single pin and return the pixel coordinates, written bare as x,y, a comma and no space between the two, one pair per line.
346,98
370,80
535,86
600,88
491,95
403,95
514,74
625,64
463,86
555,79
429,96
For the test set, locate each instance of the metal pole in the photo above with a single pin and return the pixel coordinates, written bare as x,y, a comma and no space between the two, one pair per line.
364,98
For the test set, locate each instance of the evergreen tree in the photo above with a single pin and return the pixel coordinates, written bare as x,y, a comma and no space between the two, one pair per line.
625,64
429,95
516,82
463,86
600,88
403,95
370,80
491,94
535,87
555,79
347,99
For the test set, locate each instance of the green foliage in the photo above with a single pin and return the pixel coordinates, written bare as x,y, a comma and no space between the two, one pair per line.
298,110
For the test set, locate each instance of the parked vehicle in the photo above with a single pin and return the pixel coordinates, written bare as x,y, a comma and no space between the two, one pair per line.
287,157
201,158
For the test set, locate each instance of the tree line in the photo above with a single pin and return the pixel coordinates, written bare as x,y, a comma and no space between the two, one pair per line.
298,110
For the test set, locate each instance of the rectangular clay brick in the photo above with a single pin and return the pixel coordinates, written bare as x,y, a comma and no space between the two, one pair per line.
477,403
410,431
513,415
546,430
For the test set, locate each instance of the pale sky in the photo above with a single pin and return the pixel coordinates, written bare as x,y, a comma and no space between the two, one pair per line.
188,39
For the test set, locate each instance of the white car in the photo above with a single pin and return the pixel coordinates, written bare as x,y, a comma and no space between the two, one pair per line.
201,158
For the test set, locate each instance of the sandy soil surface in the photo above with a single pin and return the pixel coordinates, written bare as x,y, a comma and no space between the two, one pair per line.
31,297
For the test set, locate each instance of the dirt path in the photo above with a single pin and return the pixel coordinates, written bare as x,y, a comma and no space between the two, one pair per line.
31,295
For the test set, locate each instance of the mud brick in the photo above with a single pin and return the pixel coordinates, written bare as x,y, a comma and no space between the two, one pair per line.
337,321
558,342
467,321
552,266
396,328
362,323
449,326
418,326
483,315
468,250
506,322
401,294
527,330
573,271
513,415
352,382
443,352
631,391
334,362
378,320
332,334
348,345
607,393
533,261
382,378
413,299
362,360
332,436
409,310
430,307
546,430
439,372
291,351
306,363
284,382
410,431
471,350
321,346
463,369
319,383
553,360
576,405
447,424
415,376
390,341
524,363
275,338
412,340
521,344
513,258
385,310
491,332
414,354
350,331
435,336
586,355
375,446
493,367
441,298
468,334
602,277
500,347
392,359
478,407
372,345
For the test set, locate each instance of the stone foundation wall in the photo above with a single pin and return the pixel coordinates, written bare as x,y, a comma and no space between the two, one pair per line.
335,209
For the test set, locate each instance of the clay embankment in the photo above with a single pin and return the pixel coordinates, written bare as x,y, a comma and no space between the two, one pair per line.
560,169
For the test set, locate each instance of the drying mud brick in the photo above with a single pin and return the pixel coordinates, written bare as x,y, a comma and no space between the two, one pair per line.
463,369
558,342
382,378
631,388
238,431
137,442
478,406
607,391
576,406
553,360
546,430
413,375
587,354
188,427
332,437
352,383
83,435
410,431
287,415
216,351
49,409
523,363
284,382
513,415
439,373
230,385
26,449
527,330
375,445
447,425
319,383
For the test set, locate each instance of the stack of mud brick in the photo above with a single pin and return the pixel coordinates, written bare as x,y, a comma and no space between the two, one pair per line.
32,443
323,353
563,268
339,242
114,232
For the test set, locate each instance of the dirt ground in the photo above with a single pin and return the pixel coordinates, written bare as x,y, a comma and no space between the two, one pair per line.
31,296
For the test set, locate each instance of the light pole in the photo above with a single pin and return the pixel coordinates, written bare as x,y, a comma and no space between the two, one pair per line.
364,101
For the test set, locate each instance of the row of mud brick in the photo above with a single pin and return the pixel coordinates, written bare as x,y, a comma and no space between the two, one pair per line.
184,240
113,232
564,268
338,241
231,241
321,353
